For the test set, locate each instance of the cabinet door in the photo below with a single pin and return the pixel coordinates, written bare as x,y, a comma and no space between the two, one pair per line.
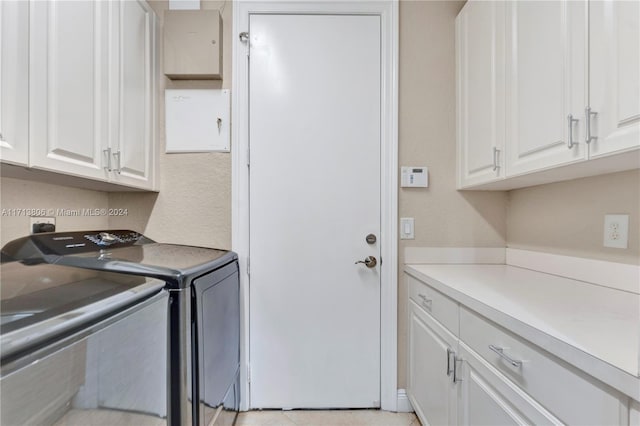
480,79
69,86
14,82
614,65
431,391
546,81
132,147
488,398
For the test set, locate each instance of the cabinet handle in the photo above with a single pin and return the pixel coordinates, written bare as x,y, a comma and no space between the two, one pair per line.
500,352
570,121
107,152
456,360
426,302
587,124
449,353
117,156
496,151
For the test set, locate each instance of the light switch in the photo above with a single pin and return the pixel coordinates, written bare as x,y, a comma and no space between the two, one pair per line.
406,228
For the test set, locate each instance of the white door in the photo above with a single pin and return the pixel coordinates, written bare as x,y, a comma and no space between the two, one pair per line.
14,82
546,81
69,87
480,50
133,78
614,66
430,369
315,101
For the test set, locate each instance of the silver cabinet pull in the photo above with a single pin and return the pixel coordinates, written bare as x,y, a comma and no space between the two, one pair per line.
117,157
496,151
587,124
426,302
571,121
107,152
449,368
456,378
500,352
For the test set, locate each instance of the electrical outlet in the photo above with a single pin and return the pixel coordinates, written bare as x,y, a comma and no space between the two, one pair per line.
616,230
36,224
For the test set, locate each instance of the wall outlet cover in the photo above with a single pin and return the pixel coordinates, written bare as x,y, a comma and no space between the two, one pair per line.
616,231
38,224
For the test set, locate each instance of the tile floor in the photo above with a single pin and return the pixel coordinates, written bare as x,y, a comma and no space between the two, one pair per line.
252,418
326,418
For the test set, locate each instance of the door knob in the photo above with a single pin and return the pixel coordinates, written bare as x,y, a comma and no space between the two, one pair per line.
369,262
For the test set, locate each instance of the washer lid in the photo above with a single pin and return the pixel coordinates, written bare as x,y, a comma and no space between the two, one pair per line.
52,297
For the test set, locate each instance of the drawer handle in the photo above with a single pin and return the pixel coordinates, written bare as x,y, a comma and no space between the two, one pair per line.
500,351
426,302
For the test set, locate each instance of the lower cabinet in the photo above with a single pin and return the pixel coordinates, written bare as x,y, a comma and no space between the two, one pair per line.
480,374
431,386
489,398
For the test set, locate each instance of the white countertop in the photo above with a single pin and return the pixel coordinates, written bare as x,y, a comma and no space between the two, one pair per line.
595,328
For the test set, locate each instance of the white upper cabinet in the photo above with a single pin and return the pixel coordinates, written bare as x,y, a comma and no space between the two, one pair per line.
132,147
571,93
546,84
79,89
14,82
480,69
69,87
614,89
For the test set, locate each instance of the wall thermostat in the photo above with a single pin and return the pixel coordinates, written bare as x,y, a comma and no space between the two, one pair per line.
414,177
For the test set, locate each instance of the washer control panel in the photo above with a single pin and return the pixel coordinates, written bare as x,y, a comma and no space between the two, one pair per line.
68,243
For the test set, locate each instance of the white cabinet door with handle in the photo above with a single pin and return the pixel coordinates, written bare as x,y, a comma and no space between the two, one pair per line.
480,91
432,369
546,84
133,74
614,86
14,82
69,87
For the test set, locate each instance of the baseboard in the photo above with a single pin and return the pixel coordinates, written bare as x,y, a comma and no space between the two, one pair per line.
404,405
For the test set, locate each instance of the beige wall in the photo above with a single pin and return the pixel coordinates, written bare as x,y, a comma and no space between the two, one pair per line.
22,194
568,217
443,216
194,203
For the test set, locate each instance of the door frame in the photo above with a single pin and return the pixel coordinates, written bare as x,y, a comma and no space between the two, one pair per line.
388,12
